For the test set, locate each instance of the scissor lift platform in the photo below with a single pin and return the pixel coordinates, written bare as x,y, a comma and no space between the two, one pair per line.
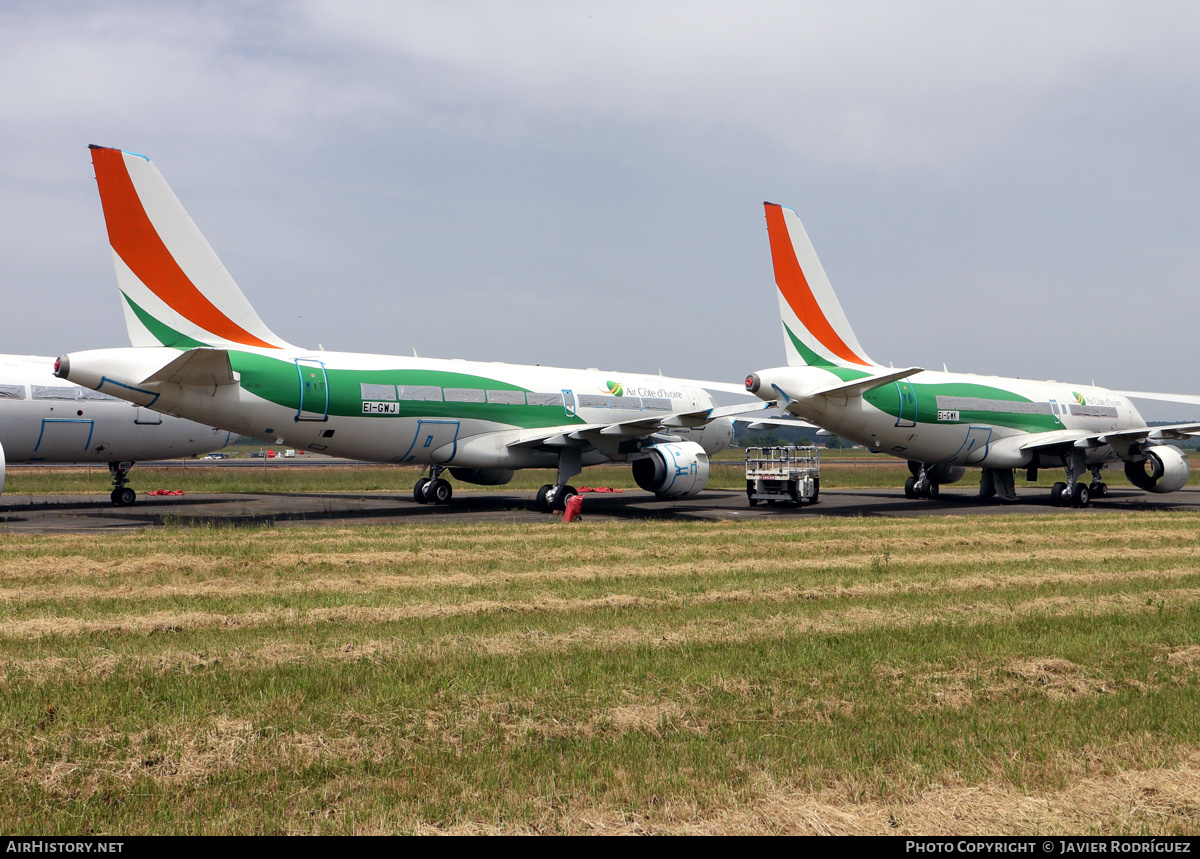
791,474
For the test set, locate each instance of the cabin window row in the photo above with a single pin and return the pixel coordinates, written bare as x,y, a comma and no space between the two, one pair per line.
52,392
432,393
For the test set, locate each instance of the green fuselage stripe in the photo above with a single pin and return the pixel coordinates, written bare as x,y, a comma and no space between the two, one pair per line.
278,381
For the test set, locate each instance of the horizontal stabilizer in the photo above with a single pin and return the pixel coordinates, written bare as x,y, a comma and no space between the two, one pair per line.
858,387
196,368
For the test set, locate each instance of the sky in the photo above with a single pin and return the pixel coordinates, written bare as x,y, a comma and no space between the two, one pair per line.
1005,188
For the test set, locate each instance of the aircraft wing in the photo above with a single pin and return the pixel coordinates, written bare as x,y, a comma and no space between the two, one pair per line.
633,428
1083,438
724,387
1190,399
775,423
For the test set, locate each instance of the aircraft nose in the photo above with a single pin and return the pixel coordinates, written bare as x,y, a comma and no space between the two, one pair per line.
62,367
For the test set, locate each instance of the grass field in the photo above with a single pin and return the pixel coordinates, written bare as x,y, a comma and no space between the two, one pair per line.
841,470
937,675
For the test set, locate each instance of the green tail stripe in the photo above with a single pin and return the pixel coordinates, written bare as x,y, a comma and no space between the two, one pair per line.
812,359
162,332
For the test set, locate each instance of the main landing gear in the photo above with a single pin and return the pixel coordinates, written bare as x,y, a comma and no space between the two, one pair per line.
122,495
433,489
921,485
553,496
1075,493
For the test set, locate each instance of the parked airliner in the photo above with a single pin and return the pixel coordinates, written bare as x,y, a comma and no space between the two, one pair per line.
943,422
43,419
200,351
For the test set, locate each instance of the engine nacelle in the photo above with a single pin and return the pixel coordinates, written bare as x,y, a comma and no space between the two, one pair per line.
672,469
2,468
939,474
483,476
1165,469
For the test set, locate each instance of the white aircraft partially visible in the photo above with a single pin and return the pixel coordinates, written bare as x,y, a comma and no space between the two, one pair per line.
43,419
201,352
943,422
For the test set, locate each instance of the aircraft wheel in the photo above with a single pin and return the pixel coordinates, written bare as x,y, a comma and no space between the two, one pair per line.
442,491
1056,493
1100,490
560,498
910,488
419,490
1080,497
934,491
123,497
542,495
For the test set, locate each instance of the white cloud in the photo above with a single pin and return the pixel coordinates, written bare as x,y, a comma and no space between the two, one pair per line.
868,83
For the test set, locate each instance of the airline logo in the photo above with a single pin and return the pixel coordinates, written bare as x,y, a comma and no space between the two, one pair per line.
615,388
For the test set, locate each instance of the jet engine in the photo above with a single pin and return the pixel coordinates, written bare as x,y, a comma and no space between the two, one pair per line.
1165,469
483,476
939,474
672,469
2,465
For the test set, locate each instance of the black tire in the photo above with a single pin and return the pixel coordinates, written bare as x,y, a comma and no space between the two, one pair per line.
541,502
1100,490
124,497
1056,493
933,491
442,492
115,497
419,490
816,490
1080,497
910,488
560,500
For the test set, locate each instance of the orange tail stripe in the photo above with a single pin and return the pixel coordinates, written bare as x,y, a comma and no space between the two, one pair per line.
794,286
135,240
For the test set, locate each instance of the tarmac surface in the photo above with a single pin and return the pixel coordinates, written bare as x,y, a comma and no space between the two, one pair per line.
63,513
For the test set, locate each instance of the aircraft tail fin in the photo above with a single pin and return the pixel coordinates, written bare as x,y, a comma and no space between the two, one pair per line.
174,289
815,329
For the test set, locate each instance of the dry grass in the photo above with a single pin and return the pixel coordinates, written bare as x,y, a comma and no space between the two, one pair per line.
936,676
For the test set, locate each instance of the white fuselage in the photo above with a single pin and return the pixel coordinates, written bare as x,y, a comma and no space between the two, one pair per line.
448,412
958,419
46,419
